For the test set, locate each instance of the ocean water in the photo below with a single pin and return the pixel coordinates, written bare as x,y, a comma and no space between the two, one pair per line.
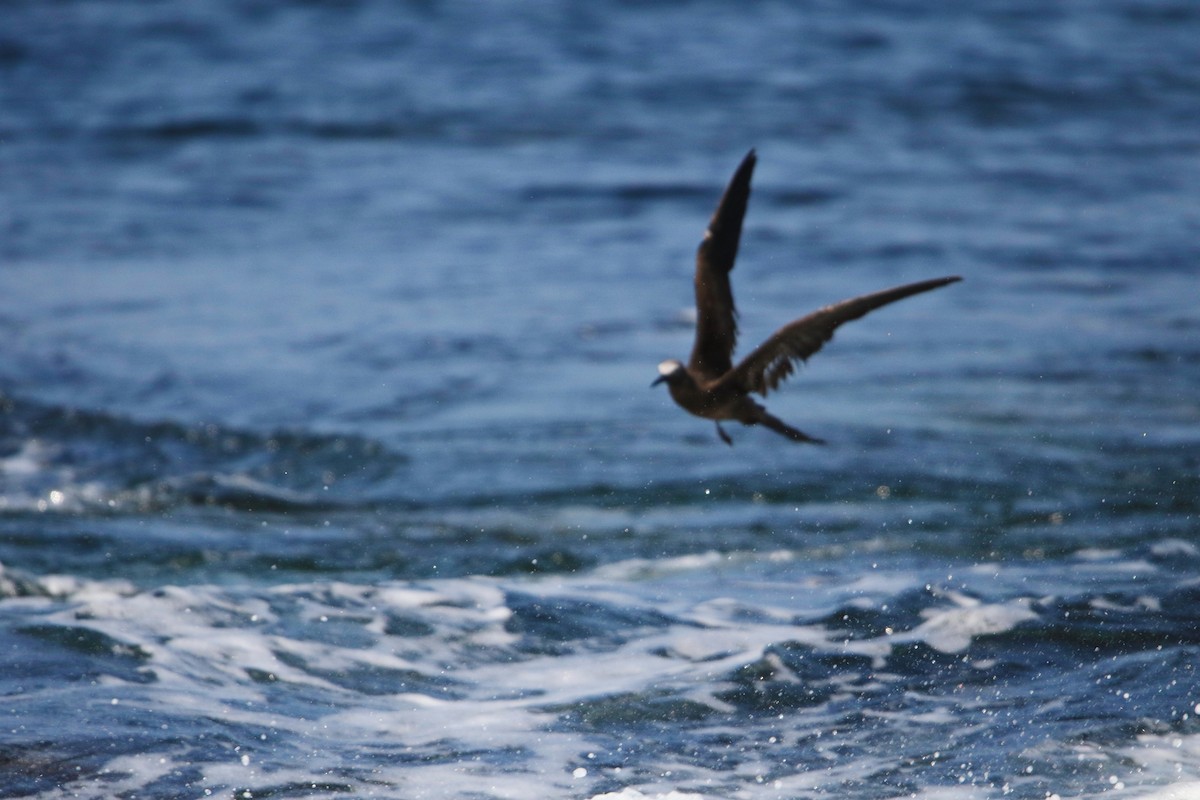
329,466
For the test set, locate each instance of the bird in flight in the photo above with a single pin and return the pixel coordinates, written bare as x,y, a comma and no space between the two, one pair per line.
709,385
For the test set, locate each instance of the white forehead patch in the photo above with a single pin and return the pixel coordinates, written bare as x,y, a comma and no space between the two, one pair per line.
669,366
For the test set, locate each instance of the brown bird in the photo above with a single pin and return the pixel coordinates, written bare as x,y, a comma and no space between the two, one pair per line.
709,385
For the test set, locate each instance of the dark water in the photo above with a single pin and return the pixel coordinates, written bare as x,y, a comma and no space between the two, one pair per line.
328,466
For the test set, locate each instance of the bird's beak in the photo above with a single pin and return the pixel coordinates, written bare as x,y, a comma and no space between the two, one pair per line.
658,380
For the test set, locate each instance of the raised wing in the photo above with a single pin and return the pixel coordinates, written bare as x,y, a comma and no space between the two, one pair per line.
775,359
716,315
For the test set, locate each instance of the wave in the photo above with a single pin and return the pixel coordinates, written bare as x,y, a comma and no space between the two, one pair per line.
600,687
56,459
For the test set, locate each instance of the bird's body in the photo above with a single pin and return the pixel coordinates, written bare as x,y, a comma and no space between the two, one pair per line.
716,401
709,385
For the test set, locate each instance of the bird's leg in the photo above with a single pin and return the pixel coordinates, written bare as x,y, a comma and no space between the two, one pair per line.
724,436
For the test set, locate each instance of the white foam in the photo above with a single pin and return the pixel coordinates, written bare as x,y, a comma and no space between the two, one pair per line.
634,794
1174,548
1183,790
281,660
1172,754
950,630
30,459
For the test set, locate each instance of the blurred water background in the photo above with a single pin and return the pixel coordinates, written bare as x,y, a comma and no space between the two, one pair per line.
328,466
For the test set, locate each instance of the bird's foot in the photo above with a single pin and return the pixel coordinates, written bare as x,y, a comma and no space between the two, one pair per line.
724,436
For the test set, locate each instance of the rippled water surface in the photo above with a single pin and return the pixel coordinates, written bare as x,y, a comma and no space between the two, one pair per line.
328,466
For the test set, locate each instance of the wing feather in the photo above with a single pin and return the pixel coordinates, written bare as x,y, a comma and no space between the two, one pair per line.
776,358
716,314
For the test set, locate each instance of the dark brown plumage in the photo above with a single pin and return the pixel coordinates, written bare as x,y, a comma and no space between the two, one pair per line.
710,386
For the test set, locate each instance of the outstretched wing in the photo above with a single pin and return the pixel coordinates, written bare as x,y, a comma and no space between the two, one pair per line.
775,359
716,315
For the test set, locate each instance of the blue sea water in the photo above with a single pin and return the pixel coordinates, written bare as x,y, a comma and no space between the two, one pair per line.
328,466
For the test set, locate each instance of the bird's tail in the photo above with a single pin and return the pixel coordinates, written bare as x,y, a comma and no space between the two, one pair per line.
783,429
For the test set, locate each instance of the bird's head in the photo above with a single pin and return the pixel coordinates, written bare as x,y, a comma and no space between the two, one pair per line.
670,371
